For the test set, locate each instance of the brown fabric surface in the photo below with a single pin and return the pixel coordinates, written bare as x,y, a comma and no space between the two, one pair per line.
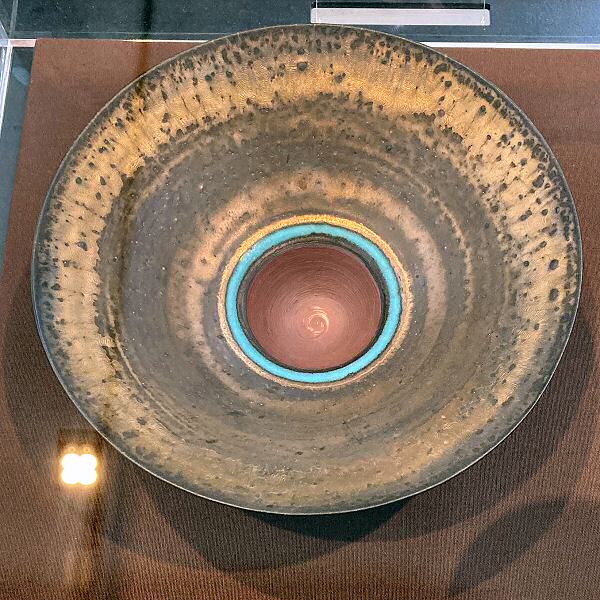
523,523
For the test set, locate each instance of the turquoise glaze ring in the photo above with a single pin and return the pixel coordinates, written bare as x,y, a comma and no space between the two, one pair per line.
297,233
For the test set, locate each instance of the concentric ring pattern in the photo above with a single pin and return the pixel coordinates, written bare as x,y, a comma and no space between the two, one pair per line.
192,163
305,227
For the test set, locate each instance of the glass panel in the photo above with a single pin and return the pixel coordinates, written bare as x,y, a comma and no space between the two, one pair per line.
10,137
153,18
5,14
511,20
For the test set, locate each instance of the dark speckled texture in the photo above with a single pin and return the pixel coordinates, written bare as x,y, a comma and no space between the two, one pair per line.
189,161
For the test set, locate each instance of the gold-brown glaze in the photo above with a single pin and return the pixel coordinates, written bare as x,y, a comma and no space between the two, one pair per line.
189,161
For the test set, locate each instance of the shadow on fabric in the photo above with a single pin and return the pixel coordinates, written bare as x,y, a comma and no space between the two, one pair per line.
250,543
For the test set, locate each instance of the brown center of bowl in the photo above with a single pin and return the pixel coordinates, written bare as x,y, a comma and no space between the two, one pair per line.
313,307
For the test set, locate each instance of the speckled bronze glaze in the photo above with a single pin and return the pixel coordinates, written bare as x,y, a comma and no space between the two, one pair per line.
187,163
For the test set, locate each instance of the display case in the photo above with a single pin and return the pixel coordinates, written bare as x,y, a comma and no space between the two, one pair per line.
79,519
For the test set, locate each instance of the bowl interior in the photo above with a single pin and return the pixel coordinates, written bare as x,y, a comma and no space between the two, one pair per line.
192,165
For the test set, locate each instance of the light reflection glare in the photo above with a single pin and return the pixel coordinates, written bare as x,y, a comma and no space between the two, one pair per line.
70,461
79,468
89,461
88,477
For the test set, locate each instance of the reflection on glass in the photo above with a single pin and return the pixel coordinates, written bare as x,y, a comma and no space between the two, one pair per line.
79,468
